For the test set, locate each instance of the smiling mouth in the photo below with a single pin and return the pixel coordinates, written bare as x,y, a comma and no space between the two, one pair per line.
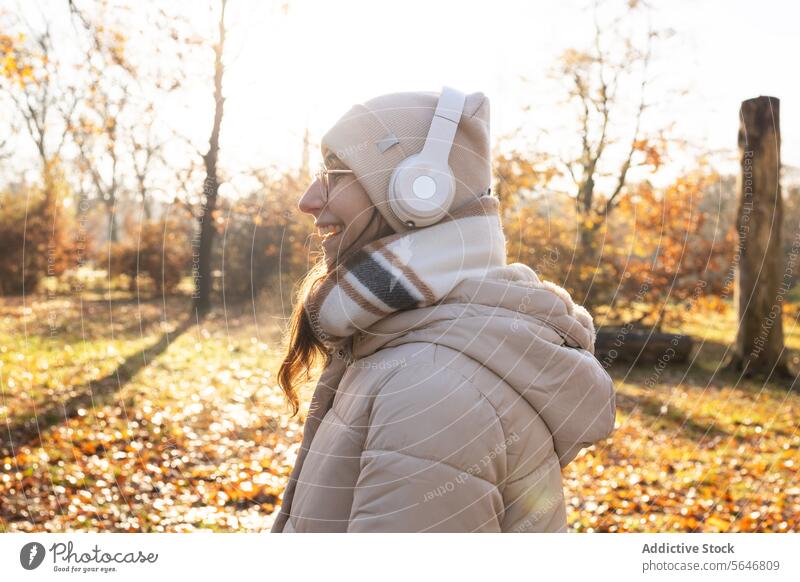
330,231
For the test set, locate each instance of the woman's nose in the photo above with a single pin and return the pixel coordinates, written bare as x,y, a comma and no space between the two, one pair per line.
311,201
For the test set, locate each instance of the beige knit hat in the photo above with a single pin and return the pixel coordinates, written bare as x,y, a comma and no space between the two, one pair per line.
374,137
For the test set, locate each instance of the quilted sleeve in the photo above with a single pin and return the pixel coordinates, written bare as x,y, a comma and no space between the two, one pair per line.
589,397
434,453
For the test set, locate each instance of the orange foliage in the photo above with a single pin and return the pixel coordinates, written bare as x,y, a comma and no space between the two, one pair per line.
663,253
34,235
657,247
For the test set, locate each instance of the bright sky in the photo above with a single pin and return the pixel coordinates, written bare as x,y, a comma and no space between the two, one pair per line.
307,67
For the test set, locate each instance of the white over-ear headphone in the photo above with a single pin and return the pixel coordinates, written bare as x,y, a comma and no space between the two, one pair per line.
423,186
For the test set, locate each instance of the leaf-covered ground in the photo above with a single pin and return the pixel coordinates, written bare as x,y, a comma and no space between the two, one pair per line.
128,416
695,448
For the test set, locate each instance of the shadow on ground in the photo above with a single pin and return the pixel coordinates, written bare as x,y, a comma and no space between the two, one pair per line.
28,432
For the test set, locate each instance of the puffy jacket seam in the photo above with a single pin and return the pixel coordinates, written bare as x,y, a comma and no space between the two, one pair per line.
543,321
483,397
553,460
344,423
474,387
382,385
472,383
433,461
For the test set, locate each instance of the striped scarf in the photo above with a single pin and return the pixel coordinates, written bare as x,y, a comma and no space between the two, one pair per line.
406,271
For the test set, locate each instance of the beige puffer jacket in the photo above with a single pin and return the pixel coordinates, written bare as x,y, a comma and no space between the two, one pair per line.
456,417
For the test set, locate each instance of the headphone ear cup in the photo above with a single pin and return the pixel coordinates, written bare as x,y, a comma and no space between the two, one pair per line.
422,186
421,193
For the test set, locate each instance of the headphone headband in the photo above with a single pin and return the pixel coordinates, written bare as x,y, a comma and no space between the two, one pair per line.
443,126
422,186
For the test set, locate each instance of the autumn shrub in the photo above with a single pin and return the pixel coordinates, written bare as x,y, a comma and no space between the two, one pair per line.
660,247
157,250
34,236
670,252
262,242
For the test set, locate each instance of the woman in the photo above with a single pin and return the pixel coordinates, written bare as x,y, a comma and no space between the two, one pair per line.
456,386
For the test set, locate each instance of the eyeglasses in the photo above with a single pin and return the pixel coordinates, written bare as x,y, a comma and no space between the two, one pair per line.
324,177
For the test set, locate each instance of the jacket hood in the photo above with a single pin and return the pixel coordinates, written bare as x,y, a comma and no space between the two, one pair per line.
531,335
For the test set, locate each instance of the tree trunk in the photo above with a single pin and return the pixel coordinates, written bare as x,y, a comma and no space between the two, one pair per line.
631,345
202,276
148,214
111,214
759,291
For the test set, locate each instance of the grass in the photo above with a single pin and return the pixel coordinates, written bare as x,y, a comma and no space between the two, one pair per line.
181,426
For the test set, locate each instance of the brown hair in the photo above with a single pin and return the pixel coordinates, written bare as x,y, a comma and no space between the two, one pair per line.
304,348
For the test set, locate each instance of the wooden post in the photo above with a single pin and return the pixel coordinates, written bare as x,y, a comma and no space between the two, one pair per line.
760,287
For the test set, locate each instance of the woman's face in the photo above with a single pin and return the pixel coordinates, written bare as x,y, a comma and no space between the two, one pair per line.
346,221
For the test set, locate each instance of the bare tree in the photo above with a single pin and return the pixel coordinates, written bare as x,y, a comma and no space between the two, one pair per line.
104,121
595,78
30,80
146,150
118,132
202,276
99,138
608,83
